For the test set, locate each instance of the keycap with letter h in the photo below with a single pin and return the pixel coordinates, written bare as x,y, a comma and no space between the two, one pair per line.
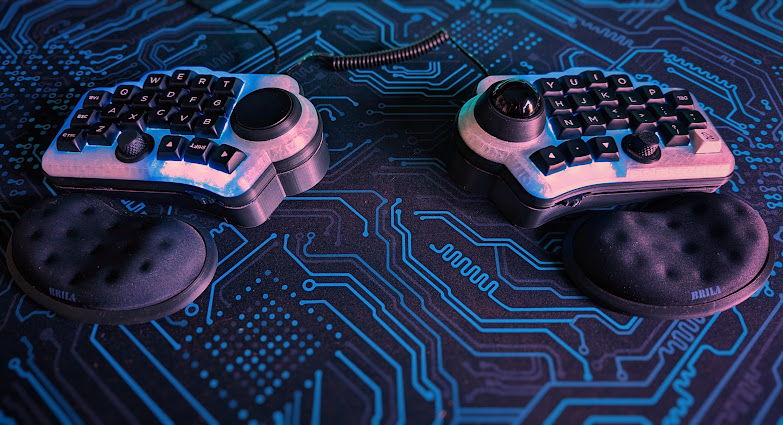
543,146
234,145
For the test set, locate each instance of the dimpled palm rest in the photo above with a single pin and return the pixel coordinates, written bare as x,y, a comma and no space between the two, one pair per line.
86,260
683,257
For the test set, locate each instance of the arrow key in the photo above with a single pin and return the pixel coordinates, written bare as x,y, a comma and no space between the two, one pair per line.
171,148
604,149
226,158
549,160
575,152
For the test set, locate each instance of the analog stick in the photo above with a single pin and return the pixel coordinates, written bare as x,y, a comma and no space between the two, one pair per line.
133,146
511,110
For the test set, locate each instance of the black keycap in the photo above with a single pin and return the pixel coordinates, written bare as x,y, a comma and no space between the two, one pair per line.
193,102
549,87
595,79
209,126
549,160
113,111
160,117
673,134
202,83
651,94
630,101
573,84
71,140
181,79
615,118
641,121
124,94
604,97
620,82
229,86
693,119
575,152
84,118
593,123
662,112
580,102
182,122
220,104
566,127
226,158
145,100
155,82
96,99
198,150
171,97
604,149
134,119
557,106
102,134
680,99
172,148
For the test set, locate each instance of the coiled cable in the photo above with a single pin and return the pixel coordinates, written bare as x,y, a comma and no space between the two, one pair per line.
357,61
386,57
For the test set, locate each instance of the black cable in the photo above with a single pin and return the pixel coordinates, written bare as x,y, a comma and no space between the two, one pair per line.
357,61
269,40
387,57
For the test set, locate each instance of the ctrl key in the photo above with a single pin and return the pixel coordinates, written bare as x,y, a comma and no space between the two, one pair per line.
226,158
71,140
549,160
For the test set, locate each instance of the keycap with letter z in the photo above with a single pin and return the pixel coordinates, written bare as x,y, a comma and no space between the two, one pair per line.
543,146
234,145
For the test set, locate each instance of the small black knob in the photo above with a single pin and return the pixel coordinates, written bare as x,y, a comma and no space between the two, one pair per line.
265,114
132,146
511,110
643,147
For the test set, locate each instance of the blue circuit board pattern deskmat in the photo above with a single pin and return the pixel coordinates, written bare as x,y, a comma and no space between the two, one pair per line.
386,294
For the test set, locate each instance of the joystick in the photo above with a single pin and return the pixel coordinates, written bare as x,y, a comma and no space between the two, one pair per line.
234,145
132,146
543,146
642,147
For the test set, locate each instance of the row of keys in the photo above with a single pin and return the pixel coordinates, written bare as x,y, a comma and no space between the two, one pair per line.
179,84
199,150
597,122
91,127
643,98
199,102
551,159
585,80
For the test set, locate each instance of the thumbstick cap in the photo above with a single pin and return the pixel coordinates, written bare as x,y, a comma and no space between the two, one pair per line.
133,146
643,147
265,114
511,110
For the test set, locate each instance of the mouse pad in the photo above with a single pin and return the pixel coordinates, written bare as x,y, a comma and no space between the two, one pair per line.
386,294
